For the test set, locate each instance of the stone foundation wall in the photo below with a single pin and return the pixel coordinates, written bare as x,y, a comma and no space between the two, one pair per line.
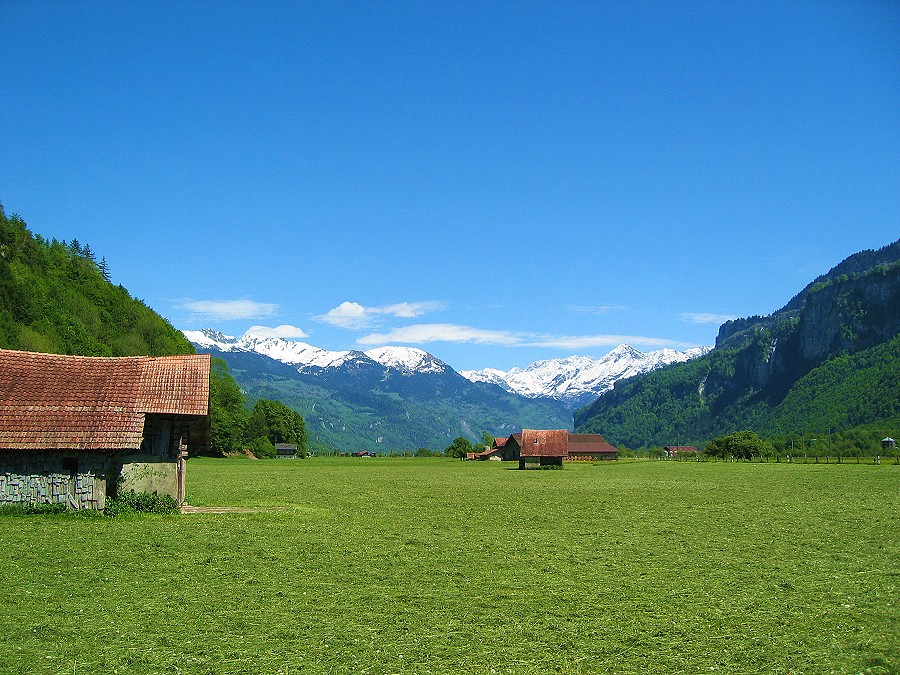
77,479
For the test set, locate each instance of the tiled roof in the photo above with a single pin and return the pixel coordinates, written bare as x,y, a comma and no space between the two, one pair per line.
544,443
589,443
51,401
500,442
486,453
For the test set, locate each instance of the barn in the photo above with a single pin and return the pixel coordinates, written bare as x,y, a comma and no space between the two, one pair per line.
537,446
587,447
74,429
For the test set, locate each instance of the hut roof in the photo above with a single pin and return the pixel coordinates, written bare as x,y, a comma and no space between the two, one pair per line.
53,401
544,443
589,443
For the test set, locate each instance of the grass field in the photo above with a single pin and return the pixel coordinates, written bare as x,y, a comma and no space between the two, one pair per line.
441,566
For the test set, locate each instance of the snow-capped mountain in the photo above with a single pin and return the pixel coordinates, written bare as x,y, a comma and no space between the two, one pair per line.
306,357
576,380
406,359
384,399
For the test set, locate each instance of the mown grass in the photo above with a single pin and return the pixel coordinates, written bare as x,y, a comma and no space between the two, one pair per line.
440,566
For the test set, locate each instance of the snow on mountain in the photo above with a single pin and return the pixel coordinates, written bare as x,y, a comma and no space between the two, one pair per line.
577,379
287,351
406,359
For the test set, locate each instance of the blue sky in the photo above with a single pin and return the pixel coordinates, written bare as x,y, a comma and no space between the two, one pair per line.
494,182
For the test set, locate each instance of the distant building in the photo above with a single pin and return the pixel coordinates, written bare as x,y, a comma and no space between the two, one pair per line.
495,452
682,450
888,443
590,447
75,428
285,451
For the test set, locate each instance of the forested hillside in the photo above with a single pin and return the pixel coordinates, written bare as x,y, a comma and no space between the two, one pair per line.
828,360
56,297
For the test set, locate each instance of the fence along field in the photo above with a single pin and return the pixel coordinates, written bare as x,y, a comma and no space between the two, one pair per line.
417,566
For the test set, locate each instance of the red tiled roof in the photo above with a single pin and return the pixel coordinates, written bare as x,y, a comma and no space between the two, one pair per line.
486,453
544,443
52,401
500,442
589,443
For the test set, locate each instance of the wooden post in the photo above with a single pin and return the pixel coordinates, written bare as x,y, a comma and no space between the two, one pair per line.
180,471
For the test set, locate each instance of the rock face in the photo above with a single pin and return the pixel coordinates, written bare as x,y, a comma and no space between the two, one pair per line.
844,314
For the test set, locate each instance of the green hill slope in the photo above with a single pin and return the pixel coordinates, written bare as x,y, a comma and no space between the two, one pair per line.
55,297
827,360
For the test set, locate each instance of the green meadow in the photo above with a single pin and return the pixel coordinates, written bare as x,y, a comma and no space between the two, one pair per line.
344,565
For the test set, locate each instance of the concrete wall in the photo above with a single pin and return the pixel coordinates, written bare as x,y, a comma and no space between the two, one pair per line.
148,473
77,479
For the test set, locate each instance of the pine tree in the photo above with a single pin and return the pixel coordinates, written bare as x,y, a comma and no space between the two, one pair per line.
104,269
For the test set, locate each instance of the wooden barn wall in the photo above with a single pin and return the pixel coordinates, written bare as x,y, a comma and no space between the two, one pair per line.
77,479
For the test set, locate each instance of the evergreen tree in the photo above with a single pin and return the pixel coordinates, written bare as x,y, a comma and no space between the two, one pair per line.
103,266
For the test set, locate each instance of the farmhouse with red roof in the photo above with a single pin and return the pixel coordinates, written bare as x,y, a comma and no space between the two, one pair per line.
74,427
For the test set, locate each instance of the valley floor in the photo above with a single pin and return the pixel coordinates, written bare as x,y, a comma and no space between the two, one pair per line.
338,565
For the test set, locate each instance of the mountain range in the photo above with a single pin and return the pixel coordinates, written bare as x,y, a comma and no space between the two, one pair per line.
578,380
403,398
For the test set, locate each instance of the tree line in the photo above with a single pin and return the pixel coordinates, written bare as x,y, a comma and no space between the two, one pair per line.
234,426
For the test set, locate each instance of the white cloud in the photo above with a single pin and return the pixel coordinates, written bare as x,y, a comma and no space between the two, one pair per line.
409,310
597,309
285,331
440,332
591,341
227,310
445,332
354,316
700,317
346,315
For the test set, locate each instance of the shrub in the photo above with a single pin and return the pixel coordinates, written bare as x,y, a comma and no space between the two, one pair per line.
139,502
29,509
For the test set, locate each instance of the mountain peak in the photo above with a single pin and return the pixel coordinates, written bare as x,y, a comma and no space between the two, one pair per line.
407,359
625,350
